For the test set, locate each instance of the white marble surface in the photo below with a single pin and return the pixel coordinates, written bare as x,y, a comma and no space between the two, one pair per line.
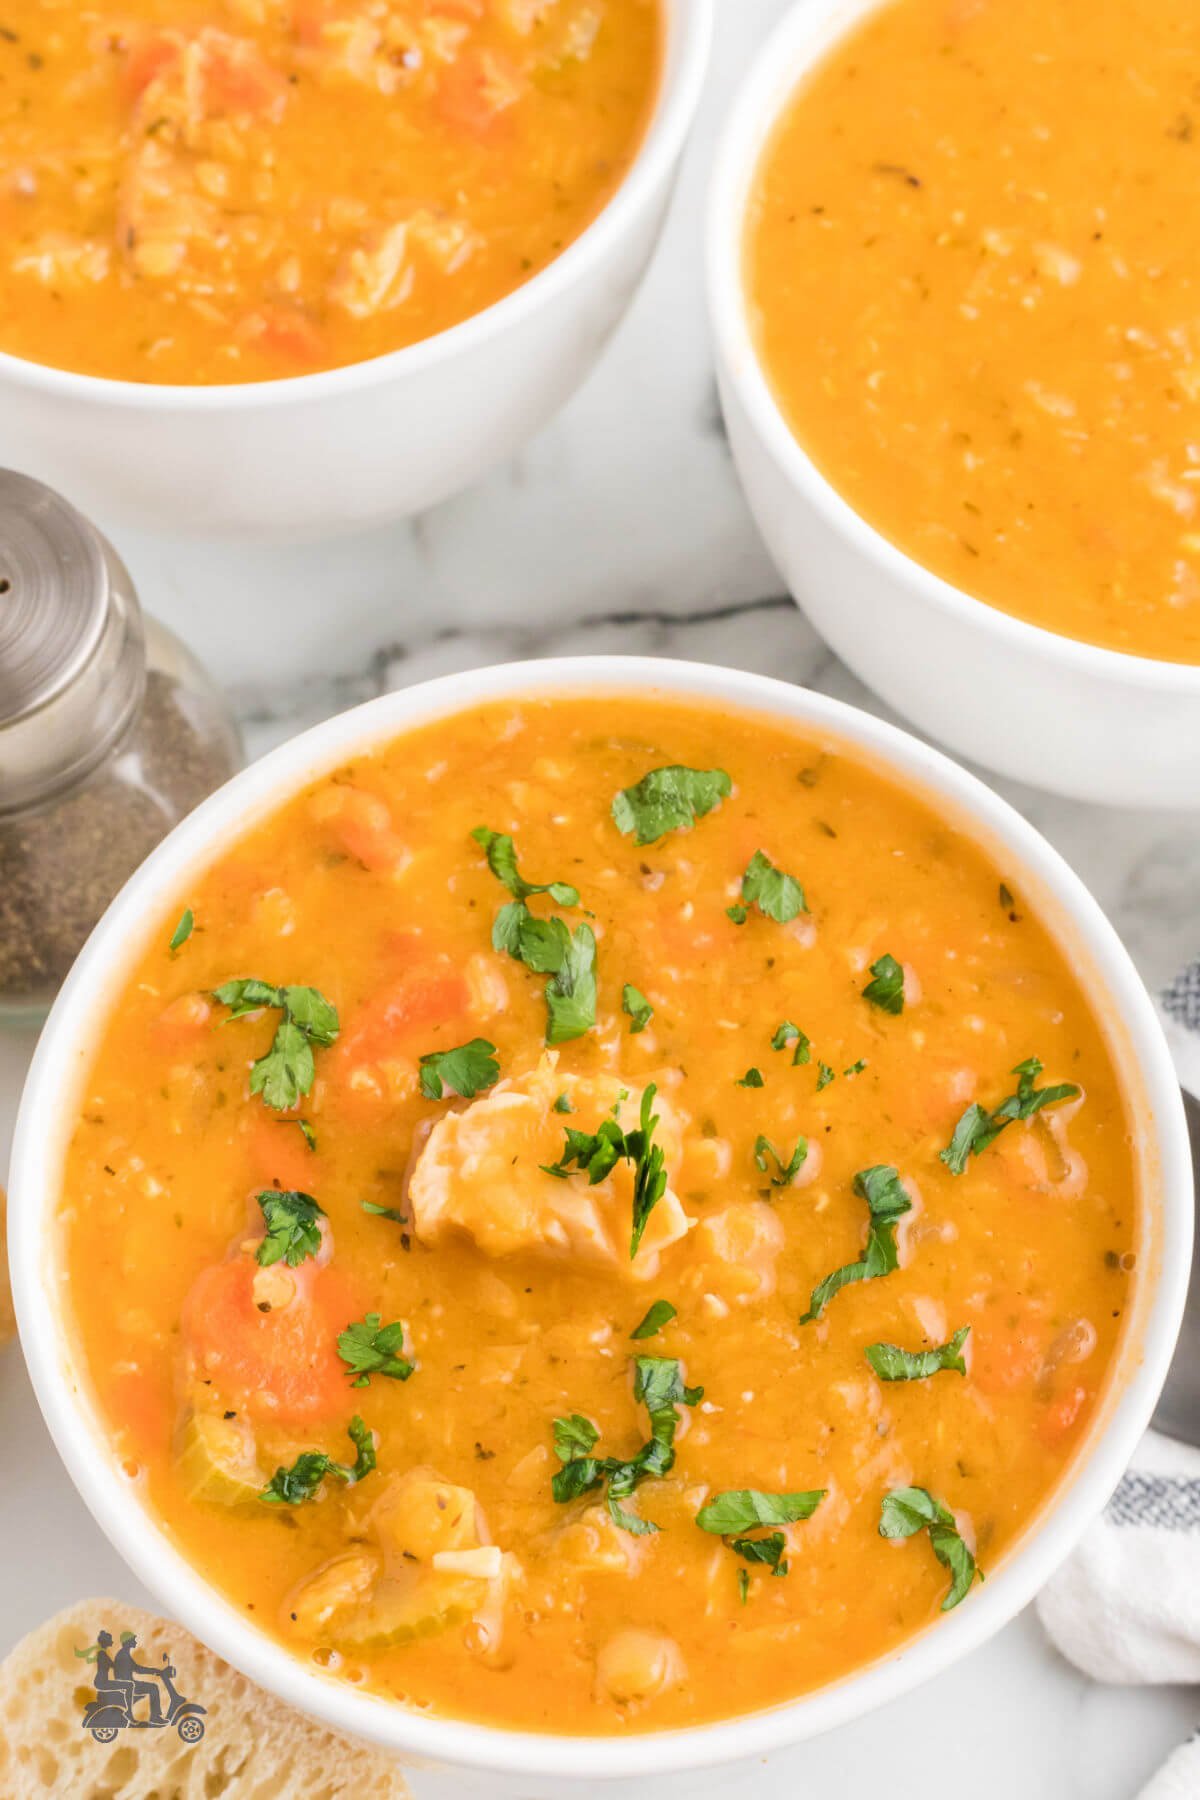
622,528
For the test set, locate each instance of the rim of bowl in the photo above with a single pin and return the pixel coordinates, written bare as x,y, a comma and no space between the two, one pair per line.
688,27
797,46
62,1058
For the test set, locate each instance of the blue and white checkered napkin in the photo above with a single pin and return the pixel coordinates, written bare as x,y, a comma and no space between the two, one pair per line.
1126,1607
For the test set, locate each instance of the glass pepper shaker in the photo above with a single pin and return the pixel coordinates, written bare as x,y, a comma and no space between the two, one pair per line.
110,732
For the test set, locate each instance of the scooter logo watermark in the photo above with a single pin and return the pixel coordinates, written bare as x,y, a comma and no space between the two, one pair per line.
128,1696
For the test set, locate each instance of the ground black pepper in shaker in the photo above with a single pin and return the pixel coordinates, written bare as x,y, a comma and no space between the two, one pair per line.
110,732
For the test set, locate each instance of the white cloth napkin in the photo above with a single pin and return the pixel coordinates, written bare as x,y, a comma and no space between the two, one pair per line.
1126,1607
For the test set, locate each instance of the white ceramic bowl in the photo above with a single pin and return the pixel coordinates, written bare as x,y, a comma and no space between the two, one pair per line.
376,440
539,1767
1094,724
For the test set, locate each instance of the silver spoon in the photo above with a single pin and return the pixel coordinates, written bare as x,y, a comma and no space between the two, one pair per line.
1178,1409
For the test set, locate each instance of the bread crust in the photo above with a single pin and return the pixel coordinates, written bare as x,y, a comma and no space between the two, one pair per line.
254,1747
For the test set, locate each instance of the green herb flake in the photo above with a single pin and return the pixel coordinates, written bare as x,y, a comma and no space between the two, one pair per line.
637,1006
977,1128
786,1034
384,1212
751,1079
293,1229
285,1074
887,1202
886,989
597,1153
305,1129
658,1385
370,1347
778,896
182,931
743,1576
741,1509
563,1104
466,1071
824,1076
891,1363
907,1510
548,948
668,799
293,1486
856,1068
502,861
768,1550
787,1171
660,1314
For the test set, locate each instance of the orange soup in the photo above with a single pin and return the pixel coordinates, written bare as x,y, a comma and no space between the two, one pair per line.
975,265
247,189
600,1216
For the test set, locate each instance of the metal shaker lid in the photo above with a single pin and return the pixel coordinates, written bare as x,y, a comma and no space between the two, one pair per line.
71,655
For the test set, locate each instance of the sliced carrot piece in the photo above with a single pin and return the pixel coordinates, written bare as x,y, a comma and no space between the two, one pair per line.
478,89
286,332
280,1365
1061,1416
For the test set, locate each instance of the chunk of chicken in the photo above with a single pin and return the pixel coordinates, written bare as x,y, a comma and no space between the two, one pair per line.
482,1172
380,272
175,199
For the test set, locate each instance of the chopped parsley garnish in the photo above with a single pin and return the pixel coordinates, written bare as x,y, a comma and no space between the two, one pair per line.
658,1385
285,1074
891,1363
887,1202
777,895
502,861
786,1034
183,930
886,990
768,1550
744,1509
306,1130
466,1071
660,1314
669,799
635,1003
788,1171
741,1509
824,1076
293,1232
291,1487
384,1212
368,1347
977,1128
751,1079
744,1584
907,1510
563,1104
598,1153
548,948
856,1068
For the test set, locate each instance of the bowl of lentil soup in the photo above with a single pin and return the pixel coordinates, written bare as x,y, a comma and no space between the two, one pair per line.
309,264
546,1179
566,1217
951,286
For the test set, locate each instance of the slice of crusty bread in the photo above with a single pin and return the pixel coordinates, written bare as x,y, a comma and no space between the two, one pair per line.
8,1318
254,1747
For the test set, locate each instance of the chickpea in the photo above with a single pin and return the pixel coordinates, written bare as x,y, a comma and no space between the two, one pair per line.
635,1665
